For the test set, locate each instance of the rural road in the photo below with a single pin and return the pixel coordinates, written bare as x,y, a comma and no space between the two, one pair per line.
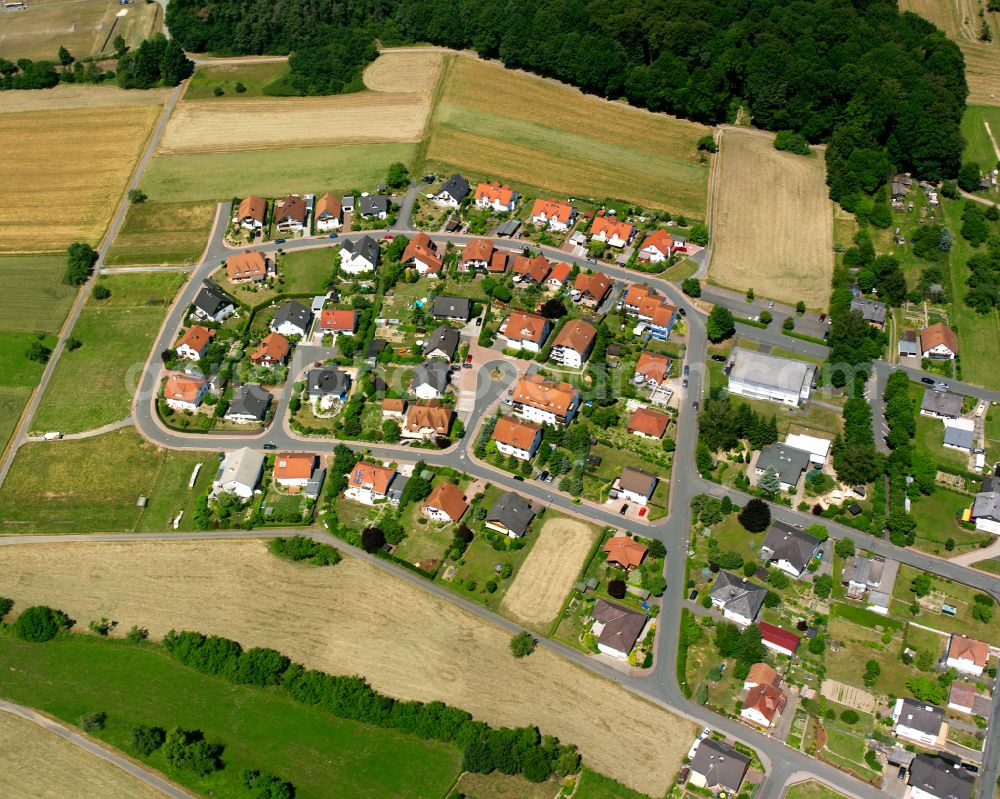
91,746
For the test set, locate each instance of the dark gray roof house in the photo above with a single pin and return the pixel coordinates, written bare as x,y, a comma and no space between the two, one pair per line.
943,404
327,381
442,343
452,308
719,765
789,545
374,205
958,437
375,347
872,311
250,401
918,716
987,505
394,493
737,595
366,247
511,512
315,483
455,188
622,627
212,301
941,778
433,374
293,316
787,462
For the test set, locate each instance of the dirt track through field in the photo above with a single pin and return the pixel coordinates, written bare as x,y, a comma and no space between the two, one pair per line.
40,765
353,619
773,223
549,571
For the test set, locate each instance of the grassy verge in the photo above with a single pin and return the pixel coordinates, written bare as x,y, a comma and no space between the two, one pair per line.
812,790
162,233
115,336
260,729
254,78
596,786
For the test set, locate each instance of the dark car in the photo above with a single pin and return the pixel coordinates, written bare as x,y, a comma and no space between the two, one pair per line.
280,241
719,358
901,774
270,445
695,406
928,380
623,510
479,321
693,595
687,370
518,478
684,383
542,476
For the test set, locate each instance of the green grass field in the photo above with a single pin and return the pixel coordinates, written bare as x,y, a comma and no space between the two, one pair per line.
221,176
596,786
936,522
259,729
34,297
978,146
254,78
162,233
93,484
306,271
116,334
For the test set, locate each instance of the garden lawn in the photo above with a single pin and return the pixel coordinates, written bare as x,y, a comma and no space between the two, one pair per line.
858,646
930,439
260,729
162,233
306,271
423,541
93,385
596,786
812,790
936,516
93,484
944,591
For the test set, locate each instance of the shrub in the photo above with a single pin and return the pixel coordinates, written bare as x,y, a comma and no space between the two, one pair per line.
617,588
187,750
93,722
298,548
146,740
6,606
522,644
266,786
850,717
755,516
40,623
372,539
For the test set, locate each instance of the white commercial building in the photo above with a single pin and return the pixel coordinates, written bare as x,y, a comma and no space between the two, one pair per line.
768,377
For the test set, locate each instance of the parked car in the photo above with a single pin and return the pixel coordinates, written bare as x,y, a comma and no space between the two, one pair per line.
479,321
642,512
54,436
280,241
543,476
719,358
693,595
332,236
550,478
623,509
928,380
518,478
270,445
942,386
771,304
684,383
687,370
901,774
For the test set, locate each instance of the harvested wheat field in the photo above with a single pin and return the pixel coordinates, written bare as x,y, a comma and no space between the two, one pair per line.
535,131
773,226
548,573
396,111
71,95
353,619
959,19
73,181
40,765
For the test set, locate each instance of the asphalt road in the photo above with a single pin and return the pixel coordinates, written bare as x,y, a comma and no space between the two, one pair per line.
131,767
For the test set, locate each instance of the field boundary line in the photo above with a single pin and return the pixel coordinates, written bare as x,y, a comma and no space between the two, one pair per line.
424,142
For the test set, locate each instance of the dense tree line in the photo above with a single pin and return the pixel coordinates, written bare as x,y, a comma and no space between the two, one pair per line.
855,458
984,278
722,425
156,62
887,90
512,751
300,548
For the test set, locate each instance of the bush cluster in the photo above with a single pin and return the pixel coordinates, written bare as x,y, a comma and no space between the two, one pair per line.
299,548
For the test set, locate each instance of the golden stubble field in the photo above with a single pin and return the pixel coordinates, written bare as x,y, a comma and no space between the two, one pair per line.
395,110
353,619
773,225
40,765
548,573
65,168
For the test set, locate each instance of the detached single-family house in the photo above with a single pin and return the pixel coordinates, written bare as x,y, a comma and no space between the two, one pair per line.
718,767
452,192
292,319
183,392
788,548
872,311
518,438
294,469
919,722
624,552
762,705
394,409
941,404
545,402
329,213
962,697
861,574
652,310
818,448
985,511
442,343
652,368
194,342
934,777
760,376
617,628
273,350
247,267
967,655
959,434
290,214
426,420
446,503
239,473
611,231
531,271
335,321
761,674
359,257
787,462
739,599
251,212
373,206
249,405
456,308
525,331
553,214
657,247
591,289
648,424
212,303
421,253
778,640
938,342
635,485
326,385
574,343
476,255
510,515
501,199
559,275
369,483
430,379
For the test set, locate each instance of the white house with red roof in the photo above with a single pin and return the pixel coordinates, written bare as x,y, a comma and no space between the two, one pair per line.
553,214
559,275
495,197
332,320
657,247
777,640
611,231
